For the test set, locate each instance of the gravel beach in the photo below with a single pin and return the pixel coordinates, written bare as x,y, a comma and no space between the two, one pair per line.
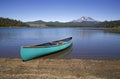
15,68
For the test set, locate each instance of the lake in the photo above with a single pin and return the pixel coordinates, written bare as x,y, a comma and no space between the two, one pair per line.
87,42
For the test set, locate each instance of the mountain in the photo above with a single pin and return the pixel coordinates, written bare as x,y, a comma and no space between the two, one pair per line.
39,21
85,19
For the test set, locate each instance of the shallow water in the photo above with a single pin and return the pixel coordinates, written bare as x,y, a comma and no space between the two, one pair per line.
87,42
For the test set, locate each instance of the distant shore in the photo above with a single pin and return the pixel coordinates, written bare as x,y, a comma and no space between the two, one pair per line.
113,30
15,68
110,30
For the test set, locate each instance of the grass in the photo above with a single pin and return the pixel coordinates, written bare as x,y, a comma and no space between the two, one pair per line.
59,69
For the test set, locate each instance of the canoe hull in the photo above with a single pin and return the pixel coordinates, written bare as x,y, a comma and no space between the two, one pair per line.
30,53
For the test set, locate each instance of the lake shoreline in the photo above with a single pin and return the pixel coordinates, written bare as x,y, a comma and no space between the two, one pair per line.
113,30
15,68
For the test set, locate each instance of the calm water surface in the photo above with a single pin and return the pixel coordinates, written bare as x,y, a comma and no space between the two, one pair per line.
87,42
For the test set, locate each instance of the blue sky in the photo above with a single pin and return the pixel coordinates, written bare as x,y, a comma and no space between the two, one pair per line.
60,10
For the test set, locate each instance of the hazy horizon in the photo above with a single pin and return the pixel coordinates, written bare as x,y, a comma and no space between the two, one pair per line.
60,10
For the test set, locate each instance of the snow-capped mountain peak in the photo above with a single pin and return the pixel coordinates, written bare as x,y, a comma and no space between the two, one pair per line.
84,18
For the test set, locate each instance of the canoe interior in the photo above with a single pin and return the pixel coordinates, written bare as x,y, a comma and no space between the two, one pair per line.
53,43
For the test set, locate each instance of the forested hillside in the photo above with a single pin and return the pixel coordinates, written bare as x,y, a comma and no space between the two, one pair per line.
6,22
109,24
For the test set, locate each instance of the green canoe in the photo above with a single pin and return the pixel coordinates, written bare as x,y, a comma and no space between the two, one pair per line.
31,52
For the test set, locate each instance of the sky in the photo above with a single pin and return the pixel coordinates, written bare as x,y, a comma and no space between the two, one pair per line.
60,10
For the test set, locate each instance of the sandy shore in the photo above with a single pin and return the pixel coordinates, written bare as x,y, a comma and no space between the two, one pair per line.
59,69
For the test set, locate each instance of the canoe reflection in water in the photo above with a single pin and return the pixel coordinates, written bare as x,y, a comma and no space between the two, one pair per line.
58,55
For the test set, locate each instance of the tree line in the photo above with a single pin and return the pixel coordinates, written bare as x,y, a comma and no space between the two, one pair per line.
110,24
6,22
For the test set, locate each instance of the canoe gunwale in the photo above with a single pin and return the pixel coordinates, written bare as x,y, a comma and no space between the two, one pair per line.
38,45
43,46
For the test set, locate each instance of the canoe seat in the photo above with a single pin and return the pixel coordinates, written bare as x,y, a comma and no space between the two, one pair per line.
61,42
58,42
